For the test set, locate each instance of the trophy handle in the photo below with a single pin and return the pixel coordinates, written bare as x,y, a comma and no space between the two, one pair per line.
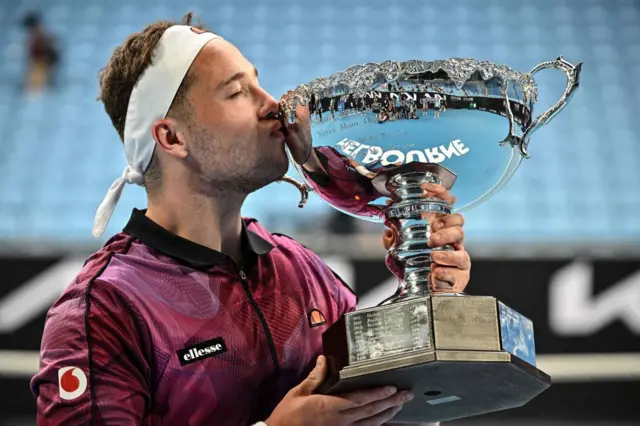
573,81
302,187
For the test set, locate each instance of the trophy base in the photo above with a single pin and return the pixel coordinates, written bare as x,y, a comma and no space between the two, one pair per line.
461,356
447,385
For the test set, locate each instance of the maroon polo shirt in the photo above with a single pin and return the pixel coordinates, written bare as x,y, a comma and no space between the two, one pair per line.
156,329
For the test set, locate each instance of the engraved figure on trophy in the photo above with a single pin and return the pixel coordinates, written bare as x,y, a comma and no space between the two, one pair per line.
466,355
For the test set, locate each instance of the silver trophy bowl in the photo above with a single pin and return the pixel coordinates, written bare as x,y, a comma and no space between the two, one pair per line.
383,129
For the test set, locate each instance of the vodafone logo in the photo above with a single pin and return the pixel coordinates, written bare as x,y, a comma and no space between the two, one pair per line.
72,382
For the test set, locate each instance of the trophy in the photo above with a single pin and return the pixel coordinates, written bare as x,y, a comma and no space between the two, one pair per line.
381,130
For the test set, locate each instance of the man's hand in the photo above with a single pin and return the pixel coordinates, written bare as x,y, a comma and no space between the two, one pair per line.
451,269
371,407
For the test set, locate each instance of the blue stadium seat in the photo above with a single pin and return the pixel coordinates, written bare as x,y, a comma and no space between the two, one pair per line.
581,182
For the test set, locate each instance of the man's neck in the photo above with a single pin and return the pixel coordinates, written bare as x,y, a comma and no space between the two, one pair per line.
211,222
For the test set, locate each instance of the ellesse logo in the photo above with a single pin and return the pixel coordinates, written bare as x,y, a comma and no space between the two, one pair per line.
316,318
72,382
201,351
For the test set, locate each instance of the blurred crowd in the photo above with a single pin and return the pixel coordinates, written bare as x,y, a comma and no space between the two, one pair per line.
43,54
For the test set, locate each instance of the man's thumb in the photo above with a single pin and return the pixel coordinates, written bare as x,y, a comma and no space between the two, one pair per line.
315,378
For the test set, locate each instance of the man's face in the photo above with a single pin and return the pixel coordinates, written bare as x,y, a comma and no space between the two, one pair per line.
232,138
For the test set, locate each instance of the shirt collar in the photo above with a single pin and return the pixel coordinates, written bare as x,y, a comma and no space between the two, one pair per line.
154,235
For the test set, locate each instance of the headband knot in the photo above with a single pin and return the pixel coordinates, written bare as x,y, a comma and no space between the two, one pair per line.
150,100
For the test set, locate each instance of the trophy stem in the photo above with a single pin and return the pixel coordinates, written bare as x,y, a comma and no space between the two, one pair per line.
409,217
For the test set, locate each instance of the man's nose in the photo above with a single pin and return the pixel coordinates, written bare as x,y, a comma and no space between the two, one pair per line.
270,107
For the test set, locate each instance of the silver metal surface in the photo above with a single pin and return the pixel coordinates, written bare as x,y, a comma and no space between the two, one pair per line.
447,350
303,188
572,73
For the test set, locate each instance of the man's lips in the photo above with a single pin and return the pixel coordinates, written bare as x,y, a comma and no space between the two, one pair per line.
277,130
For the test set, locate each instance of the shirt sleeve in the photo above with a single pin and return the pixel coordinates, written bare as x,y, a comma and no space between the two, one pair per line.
92,364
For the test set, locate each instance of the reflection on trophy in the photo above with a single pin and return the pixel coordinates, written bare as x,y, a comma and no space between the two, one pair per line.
461,355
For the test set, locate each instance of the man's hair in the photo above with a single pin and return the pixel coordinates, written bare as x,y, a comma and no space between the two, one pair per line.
125,67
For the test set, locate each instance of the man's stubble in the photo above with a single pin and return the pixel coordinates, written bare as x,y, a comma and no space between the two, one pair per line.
221,168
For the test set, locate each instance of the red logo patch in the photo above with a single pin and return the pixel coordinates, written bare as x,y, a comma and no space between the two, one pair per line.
72,382
316,318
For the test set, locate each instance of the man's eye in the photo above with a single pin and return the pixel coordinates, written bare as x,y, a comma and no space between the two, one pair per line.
235,95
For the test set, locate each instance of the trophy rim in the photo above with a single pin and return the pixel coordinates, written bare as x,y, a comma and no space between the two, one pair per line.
364,77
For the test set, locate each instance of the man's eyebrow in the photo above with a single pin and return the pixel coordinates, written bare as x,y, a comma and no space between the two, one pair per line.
237,76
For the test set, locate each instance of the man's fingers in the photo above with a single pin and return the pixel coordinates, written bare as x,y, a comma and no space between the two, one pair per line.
441,281
374,408
355,399
445,279
381,418
438,191
433,187
315,378
458,246
457,259
447,221
446,236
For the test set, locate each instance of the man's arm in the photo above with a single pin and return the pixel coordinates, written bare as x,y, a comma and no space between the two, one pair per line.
92,364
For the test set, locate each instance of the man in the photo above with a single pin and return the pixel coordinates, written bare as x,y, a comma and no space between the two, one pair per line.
192,314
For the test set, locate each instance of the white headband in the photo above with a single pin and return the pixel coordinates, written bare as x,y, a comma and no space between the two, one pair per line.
150,101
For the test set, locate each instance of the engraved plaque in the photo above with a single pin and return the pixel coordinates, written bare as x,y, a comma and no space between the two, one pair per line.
517,334
465,323
388,330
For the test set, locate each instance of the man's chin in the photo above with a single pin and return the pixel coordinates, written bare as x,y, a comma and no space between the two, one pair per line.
281,171
281,165
271,172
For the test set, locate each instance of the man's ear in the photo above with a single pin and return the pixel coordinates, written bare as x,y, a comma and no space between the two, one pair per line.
170,137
